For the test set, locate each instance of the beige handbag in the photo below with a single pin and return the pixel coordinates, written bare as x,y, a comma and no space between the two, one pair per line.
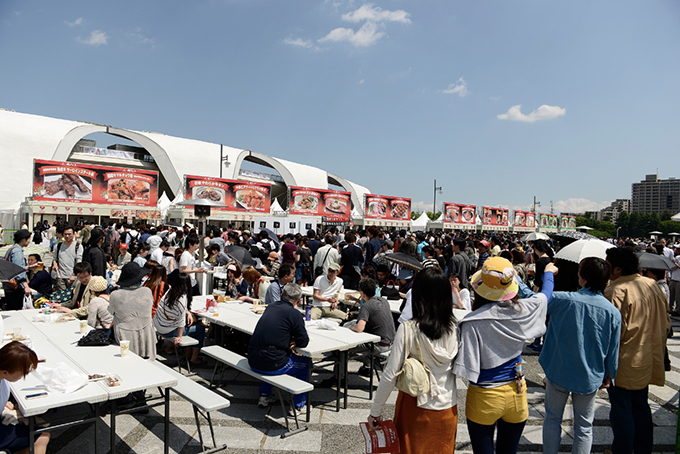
414,376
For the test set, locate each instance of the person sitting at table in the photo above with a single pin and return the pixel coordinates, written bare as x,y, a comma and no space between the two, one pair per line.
405,282
461,295
236,285
130,306
258,286
158,283
326,287
216,257
98,315
286,275
280,329
38,279
174,318
16,362
81,293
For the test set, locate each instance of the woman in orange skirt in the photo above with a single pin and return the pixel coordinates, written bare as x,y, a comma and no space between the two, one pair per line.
425,423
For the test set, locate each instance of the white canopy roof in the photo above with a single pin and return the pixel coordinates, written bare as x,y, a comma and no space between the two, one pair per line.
420,223
276,208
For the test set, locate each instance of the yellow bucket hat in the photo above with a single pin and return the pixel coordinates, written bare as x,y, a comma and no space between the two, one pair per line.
496,280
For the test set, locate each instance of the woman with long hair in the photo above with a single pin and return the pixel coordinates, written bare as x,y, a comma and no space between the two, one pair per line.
158,283
426,423
490,356
257,289
173,317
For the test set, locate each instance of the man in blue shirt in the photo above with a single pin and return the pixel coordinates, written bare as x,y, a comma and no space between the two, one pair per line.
286,275
280,329
580,354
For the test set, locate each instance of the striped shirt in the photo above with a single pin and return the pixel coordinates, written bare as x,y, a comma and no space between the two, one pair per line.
167,318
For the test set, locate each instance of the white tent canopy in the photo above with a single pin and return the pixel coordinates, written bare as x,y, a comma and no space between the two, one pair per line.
276,208
676,218
420,223
163,204
355,214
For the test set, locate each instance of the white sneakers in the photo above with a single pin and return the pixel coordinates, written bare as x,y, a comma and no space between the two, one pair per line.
266,400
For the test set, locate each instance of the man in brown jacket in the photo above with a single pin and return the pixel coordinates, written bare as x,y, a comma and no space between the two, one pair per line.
641,354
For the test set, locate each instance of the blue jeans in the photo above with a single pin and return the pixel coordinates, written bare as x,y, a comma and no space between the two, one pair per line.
631,420
297,367
584,413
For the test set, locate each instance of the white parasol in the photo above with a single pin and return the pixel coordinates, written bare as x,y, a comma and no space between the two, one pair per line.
585,227
533,236
580,249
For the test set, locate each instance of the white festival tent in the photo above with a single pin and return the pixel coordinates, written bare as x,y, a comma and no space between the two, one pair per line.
676,218
276,209
163,204
355,214
420,223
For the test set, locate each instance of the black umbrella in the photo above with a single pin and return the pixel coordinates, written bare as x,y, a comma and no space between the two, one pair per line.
9,270
654,262
272,236
576,235
241,255
405,260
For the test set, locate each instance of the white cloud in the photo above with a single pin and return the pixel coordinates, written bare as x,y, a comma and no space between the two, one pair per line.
97,38
368,34
361,81
459,88
299,42
542,113
421,206
579,205
495,98
371,13
78,21
141,39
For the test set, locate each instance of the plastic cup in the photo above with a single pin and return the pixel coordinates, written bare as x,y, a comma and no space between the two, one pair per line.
17,333
83,326
124,348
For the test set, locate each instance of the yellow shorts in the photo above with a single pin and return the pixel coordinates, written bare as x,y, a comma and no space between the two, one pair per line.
488,405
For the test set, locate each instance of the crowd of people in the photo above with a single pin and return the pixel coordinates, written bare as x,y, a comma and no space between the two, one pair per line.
138,282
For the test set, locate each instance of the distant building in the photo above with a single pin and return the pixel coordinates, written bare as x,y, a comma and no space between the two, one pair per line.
617,207
653,195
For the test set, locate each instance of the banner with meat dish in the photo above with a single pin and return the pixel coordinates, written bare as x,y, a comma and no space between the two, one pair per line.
495,217
239,195
457,216
390,208
548,221
525,220
85,183
335,206
567,223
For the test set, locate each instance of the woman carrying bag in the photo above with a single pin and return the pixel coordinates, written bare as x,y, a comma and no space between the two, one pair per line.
426,423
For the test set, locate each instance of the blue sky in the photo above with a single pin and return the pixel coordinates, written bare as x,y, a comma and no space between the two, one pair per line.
390,94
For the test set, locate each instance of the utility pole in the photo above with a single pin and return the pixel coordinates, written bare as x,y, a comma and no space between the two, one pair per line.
535,205
434,203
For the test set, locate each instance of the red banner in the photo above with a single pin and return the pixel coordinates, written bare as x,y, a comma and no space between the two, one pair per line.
459,214
384,207
495,216
336,206
239,195
92,184
525,219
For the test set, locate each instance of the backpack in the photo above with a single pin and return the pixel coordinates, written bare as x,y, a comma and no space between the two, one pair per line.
56,256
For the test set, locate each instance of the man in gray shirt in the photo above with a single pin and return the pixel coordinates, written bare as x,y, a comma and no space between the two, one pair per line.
67,254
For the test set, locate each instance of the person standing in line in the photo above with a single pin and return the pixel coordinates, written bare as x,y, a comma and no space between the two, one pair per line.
644,321
187,263
587,362
68,253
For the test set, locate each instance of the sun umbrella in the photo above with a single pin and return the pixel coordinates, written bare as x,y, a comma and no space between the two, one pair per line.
241,255
654,261
585,227
578,250
9,270
272,235
656,232
533,236
405,260
576,235
674,234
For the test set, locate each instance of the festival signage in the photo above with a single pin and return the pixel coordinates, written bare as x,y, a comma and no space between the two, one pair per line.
457,215
567,223
246,196
548,221
388,208
525,220
91,184
334,206
495,217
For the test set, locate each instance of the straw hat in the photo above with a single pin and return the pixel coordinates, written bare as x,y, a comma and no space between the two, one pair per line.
98,284
496,280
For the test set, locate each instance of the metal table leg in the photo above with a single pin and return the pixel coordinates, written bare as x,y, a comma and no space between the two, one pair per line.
31,435
346,367
97,427
114,410
309,395
166,437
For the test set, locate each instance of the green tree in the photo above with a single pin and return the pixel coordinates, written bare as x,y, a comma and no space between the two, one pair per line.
415,215
623,221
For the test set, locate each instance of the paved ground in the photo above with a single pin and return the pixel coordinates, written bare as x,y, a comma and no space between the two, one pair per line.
246,428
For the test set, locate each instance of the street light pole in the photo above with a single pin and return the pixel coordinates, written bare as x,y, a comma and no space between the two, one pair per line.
434,203
617,232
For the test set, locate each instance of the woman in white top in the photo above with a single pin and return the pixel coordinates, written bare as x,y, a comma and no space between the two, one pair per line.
98,315
461,296
426,423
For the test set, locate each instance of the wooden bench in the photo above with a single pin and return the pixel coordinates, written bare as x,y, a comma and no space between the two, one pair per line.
203,400
287,383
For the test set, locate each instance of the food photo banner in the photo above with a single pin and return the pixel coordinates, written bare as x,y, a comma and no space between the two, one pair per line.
335,206
525,219
84,183
495,216
548,221
568,222
239,195
385,207
456,213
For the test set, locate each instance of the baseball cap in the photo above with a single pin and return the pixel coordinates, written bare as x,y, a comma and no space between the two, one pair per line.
484,243
334,266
